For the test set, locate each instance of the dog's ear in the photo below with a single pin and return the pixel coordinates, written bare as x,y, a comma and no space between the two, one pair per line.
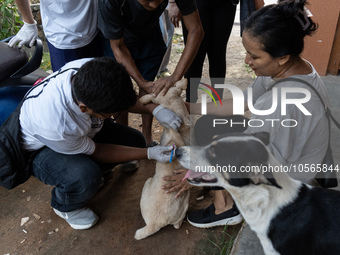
182,84
267,178
146,99
263,136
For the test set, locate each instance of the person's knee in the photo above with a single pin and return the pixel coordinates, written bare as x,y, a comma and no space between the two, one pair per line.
88,178
77,189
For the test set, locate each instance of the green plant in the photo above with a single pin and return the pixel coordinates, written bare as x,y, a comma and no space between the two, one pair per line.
10,22
218,242
224,243
46,62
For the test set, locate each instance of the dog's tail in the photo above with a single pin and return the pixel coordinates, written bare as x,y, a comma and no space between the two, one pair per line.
148,230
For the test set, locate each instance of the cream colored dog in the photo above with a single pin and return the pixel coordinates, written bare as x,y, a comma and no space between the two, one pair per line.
158,208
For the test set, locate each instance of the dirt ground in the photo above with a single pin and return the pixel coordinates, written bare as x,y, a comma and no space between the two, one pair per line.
116,203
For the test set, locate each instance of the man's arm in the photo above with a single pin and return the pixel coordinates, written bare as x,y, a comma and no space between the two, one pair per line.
25,10
113,153
123,56
142,108
195,35
165,117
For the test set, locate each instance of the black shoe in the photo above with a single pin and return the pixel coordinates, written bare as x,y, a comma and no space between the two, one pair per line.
206,218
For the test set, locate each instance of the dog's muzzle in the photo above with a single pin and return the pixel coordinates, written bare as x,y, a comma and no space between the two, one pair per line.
178,153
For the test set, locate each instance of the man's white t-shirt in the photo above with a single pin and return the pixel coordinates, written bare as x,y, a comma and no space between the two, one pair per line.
51,118
69,24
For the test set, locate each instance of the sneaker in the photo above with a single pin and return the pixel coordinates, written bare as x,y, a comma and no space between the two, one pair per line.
206,218
83,218
129,166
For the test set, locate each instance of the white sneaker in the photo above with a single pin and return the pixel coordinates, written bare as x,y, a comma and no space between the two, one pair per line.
83,218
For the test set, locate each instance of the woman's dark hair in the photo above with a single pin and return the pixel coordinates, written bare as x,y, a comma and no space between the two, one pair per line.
281,27
104,86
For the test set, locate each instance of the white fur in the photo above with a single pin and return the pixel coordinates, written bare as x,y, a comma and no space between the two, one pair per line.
258,204
158,208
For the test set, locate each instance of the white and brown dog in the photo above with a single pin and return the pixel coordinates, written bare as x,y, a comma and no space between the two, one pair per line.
288,216
158,208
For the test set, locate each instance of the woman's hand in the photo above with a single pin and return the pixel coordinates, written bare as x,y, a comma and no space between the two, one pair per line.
176,182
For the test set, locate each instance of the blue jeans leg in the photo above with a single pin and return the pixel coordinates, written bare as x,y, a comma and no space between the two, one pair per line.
60,57
76,178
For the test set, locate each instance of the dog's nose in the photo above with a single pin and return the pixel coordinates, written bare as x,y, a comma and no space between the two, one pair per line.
178,153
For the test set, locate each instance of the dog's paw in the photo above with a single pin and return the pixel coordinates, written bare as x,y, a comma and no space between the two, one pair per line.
138,234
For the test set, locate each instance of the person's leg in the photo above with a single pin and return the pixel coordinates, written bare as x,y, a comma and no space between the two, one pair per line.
75,178
60,57
223,15
222,23
223,210
148,56
223,201
194,72
167,31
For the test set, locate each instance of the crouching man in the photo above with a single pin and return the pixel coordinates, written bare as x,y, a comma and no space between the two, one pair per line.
69,120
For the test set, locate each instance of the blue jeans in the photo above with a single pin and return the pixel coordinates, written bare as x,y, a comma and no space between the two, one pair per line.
76,178
60,57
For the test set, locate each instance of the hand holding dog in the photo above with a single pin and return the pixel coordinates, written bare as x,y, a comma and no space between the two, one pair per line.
167,118
176,183
163,84
147,86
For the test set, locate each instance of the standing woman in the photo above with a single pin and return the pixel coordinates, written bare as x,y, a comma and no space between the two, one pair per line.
217,17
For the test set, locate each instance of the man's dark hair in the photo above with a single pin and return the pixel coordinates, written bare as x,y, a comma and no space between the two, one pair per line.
104,86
